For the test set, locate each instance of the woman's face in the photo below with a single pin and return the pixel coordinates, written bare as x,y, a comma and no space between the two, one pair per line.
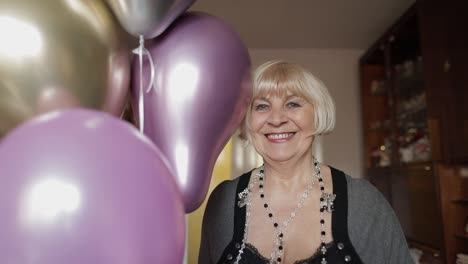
282,127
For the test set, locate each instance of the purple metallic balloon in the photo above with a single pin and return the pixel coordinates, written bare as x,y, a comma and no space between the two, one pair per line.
201,92
81,186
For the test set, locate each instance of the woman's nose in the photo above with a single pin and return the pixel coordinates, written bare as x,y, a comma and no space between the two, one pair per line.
277,117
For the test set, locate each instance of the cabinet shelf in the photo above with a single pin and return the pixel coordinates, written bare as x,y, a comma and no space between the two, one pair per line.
463,201
378,94
413,113
423,165
405,86
378,130
424,247
462,236
379,167
413,124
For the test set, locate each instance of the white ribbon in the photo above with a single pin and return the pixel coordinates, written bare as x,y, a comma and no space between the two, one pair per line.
140,51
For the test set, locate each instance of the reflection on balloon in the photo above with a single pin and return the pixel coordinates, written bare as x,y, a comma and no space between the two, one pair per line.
76,48
182,155
80,186
50,198
202,89
26,43
182,89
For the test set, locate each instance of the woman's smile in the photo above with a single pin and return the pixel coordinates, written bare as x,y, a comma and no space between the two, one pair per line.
280,137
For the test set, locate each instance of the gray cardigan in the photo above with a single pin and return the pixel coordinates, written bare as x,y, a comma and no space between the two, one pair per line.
371,228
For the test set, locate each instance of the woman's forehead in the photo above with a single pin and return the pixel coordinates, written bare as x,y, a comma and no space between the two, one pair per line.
278,93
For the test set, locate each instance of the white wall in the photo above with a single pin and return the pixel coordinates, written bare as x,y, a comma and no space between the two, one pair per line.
338,69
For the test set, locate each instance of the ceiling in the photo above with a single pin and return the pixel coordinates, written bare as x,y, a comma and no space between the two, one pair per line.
289,24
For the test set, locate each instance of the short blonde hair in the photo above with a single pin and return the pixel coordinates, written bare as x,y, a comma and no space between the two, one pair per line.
279,78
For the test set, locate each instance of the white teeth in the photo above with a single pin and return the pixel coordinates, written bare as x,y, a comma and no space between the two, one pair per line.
280,136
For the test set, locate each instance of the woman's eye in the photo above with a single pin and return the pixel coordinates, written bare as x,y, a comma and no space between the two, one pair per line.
260,107
293,105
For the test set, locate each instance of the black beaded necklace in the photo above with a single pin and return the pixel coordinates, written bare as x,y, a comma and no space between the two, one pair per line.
326,204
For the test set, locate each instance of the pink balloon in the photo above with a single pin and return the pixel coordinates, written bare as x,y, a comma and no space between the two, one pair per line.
201,92
80,186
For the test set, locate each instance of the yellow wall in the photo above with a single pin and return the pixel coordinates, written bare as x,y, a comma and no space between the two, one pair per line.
221,172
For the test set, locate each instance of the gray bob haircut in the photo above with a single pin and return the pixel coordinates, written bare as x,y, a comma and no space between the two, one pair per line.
279,78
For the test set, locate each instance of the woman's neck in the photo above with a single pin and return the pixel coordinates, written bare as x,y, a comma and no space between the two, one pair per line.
290,176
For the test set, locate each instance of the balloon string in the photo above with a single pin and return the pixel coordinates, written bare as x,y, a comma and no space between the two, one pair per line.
141,50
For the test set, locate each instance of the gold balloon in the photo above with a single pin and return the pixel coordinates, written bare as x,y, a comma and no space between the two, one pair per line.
57,54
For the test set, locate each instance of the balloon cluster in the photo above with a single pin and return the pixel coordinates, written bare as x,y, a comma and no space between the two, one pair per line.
77,183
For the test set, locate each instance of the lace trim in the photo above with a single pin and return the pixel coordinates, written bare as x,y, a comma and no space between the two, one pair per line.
317,253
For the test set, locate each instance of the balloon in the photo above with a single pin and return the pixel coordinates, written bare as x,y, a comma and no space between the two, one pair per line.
202,90
80,186
148,18
60,54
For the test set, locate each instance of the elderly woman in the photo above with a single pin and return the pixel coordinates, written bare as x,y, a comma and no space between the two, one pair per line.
293,209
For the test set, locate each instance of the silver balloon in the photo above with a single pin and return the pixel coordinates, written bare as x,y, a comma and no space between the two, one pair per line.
148,18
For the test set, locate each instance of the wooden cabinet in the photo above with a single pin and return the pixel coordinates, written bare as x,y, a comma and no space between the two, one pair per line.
414,91
414,197
444,38
454,198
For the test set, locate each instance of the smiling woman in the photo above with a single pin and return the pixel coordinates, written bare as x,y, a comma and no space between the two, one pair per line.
293,209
